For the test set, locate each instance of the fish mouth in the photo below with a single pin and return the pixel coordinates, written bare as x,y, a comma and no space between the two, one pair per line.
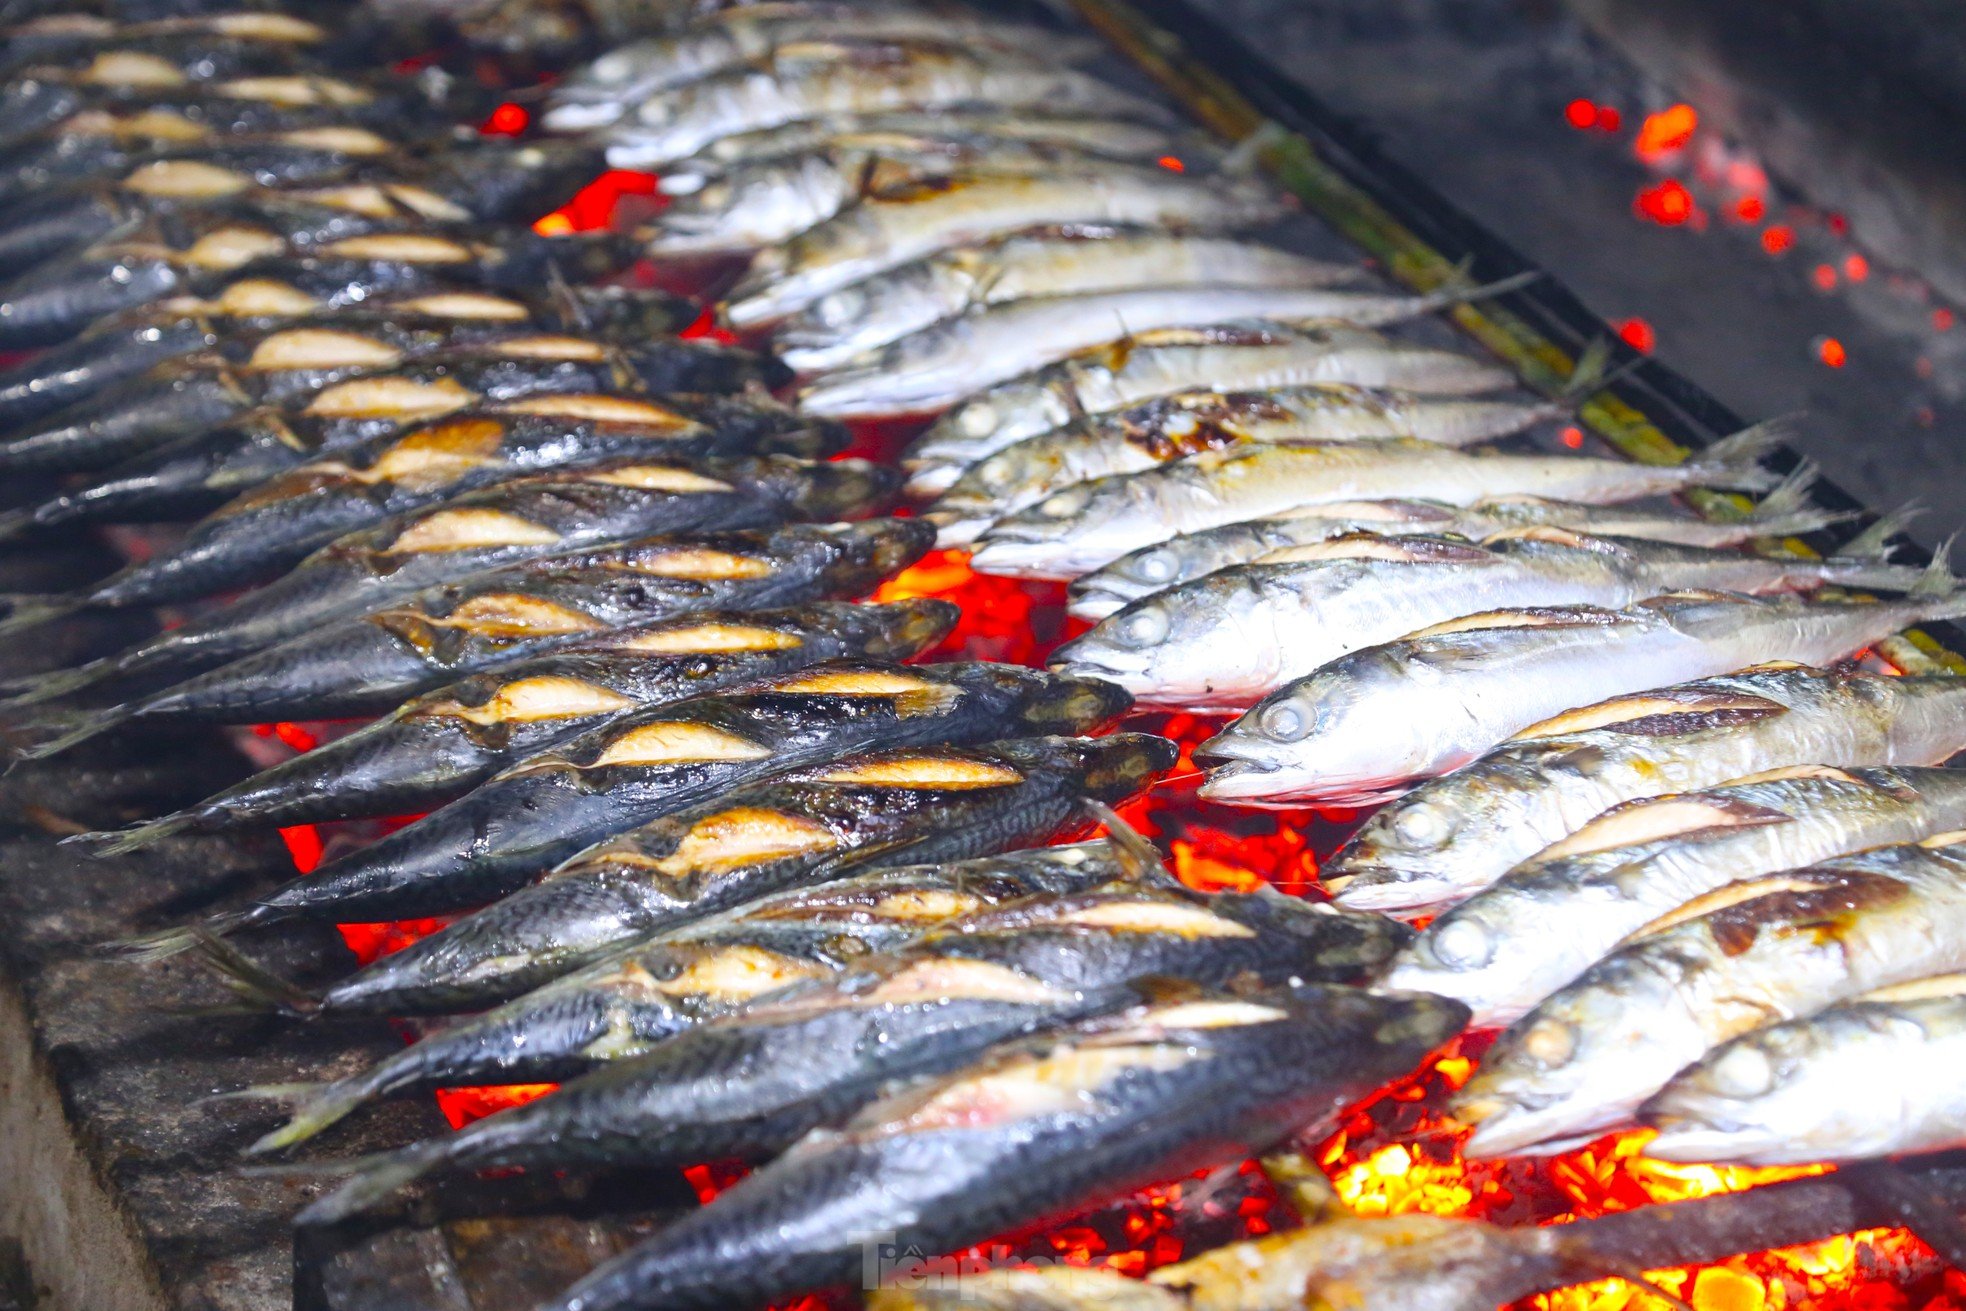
1507,1128
927,482
1075,657
1013,557
581,115
1696,1141
1095,605
1385,889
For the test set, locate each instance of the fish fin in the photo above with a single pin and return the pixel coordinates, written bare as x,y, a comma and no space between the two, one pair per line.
146,948
320,1106
376,1177
68,730
1140,858
1459,289
1937,581
251,981
1913,1203
1299,1181
1791,496
1245,158
265,1092
57,683
104,843
31,610
1874,542
1735,461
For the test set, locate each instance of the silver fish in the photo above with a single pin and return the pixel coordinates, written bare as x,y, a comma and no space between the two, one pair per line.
959,357
892,228
1082,528
1227,640
819,79
1547,920
620,81
1784,512
1449,838
844,324
1876,1077
1179,426
1372,724
1722,965
1253,355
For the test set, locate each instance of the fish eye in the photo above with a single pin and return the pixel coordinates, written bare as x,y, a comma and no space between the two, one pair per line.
1550,1042
1288,721
1142,628
1462,944
978,420
1744,1071
841,307
1154,567
1421,825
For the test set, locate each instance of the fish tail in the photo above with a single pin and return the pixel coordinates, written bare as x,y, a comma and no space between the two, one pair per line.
1459,289
1141,858
146,948
120,842
15,522
320,1106
1787,509
31,610
1734,462
259,987
38,739
266,1092
375,1179
1874,543
56,683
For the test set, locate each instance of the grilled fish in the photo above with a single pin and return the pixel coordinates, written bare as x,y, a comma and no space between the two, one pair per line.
626,1003
1784,512
855,320
370,664
827,79
1545,921
1449,838
1175,427
959,357
1373,723
749,1085
802,828
1034,1129
1749,953
142,339
520,519
1226,640
640,766
1137,367
438,746
272,527
890,229
622,80
1082,528
1874,1077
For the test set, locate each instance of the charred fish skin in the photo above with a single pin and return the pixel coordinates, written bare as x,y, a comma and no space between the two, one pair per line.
1646,858
750,1084
1452,837
808,827
1082,528
624,1004
643,765
504,524
438,746
1248,356
1231,637
373,663
1468,685
265,531
1808,1090
1769,949
1035,1128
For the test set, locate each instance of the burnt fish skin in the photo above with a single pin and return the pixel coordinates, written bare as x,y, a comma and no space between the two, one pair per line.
650,763
509,522
54,304
371,664
1036,1128
129,344
807,827
749,1085
625,1004
263,532
438,746
205,426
